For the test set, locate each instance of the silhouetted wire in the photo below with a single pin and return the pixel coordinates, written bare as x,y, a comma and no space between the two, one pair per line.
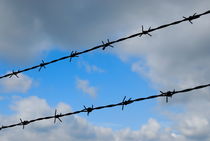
88,110
105,45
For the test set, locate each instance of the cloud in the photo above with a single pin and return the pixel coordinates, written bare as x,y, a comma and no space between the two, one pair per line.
73,127
13,84
175,57
22,36
85,87
28,29
186,127
91,68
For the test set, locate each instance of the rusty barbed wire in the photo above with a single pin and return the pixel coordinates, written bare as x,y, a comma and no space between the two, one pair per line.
107,44
88,110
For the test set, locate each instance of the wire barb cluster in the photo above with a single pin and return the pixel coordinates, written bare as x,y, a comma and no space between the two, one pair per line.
14,74
23,123
57,116
168,94
73,54
92,108
107,44
190,18
42,65
126,102
88,109
145,32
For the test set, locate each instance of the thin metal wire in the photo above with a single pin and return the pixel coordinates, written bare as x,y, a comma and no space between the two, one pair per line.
105,45
88,110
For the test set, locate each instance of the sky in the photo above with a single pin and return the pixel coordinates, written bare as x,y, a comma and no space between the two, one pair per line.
173,58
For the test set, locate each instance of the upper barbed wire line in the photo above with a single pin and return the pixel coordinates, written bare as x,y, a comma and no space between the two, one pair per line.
88,110
105,45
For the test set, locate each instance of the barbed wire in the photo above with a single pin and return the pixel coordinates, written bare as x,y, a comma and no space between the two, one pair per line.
104,45
88,110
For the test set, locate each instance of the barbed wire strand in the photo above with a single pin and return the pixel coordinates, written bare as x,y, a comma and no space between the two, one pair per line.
105,45
88,110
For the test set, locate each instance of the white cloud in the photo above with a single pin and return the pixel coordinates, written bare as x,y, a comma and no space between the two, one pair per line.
72,127
21,84
93,68
187,126
194,126
85,87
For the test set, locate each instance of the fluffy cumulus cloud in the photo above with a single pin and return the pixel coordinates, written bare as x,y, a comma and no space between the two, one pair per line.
77,128
21,84
85,87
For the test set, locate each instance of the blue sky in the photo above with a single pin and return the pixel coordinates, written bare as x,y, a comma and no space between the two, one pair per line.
176,57
58,82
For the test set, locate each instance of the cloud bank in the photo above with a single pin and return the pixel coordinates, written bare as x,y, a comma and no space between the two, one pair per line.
79,129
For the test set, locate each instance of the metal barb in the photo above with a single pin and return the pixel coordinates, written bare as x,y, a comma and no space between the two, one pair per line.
57,116
193,17
14,74
146,32
168,94
88,109
42,65
126,102
73,54
108,44
25,122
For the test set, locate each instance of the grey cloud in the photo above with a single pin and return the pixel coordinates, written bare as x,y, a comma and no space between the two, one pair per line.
29,28
20,37
175,57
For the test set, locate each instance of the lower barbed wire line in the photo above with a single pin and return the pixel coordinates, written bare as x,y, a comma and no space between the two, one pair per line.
90,109
108,44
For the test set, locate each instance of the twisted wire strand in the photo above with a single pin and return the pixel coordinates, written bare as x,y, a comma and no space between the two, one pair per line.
105,45
88,110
